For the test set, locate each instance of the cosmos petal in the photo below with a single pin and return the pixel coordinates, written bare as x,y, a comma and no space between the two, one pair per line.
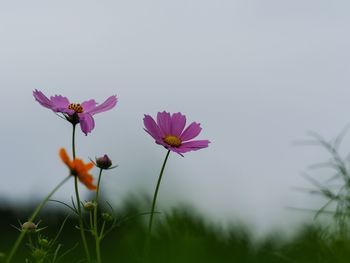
152,128
195,145
64,156
164,122
87,123
191,132
89,105
178,123
42,99
59,103
108,104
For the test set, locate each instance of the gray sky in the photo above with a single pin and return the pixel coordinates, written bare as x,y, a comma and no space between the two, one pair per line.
256,74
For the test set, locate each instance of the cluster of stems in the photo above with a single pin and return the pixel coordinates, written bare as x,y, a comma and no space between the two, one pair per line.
94,228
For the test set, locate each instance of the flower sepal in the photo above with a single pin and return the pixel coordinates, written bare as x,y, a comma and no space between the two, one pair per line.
73,119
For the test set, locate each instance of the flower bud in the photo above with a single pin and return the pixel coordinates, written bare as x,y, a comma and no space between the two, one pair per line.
29,226
39,254
89,205
107,217
103,162
43,242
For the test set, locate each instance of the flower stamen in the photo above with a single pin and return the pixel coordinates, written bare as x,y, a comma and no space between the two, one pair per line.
172,140
76,107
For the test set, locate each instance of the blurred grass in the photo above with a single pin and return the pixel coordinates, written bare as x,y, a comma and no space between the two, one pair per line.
181,235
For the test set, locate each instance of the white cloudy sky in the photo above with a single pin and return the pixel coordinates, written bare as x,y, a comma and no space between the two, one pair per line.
256,74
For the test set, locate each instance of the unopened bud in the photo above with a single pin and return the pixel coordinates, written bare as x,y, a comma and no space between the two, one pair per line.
103,162
107,217
39,254
29,226
43,242
89,205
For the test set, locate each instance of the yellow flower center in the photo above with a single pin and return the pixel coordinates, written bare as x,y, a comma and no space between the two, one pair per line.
172,140
76,107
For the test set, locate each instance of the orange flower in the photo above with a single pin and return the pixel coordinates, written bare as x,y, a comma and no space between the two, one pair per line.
79,168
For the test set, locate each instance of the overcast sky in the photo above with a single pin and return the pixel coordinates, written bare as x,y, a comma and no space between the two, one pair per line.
256,74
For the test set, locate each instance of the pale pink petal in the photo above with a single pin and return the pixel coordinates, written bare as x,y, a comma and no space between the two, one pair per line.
42,99
105,106
191,132
178,122
88,105
164,122
152,128
87,122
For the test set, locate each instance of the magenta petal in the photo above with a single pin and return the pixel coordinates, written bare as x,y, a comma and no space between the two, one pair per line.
152,127
88,105
164,122
68,111
87,122
193,146
59,103
191,132
178,122
105,106
199,144
42,99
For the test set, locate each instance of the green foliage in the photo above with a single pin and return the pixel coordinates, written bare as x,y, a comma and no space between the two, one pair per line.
180,236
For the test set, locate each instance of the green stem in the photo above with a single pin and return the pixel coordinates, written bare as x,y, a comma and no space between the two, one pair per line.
81,224
97,237
73,141
156,192
32,218
91,220
30,240
102,230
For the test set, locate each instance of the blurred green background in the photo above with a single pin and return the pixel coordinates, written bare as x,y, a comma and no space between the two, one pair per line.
180,235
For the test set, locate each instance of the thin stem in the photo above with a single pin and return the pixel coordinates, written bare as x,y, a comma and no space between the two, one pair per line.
98,186
81,225
73,141
30,240
32,218
91,220
156,192
102,230
97,237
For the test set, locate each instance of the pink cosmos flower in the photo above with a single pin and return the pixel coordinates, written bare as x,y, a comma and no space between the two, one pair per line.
169,131
76,112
